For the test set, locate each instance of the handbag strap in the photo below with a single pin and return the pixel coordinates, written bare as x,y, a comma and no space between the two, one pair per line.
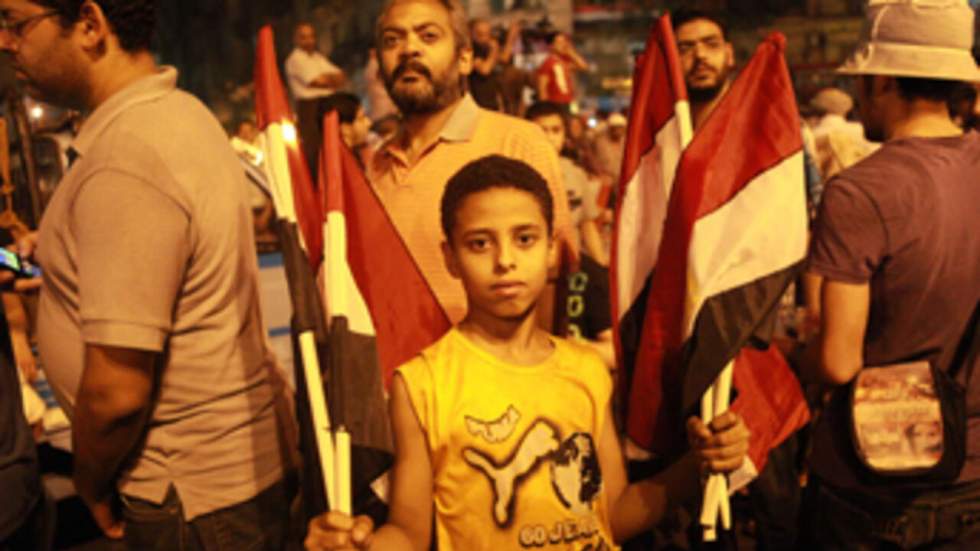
969,345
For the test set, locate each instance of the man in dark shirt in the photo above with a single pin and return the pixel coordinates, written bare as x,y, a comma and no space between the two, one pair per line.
23,514
896,247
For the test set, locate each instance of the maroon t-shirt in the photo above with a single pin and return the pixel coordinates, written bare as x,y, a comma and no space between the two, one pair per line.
907,221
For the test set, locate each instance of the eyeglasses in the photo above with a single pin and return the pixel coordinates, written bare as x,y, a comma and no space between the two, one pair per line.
19,27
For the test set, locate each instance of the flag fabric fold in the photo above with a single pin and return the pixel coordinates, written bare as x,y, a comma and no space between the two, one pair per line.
274,117
658,131
732,239
394,297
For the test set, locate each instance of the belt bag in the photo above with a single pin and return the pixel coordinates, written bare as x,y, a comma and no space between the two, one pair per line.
909,421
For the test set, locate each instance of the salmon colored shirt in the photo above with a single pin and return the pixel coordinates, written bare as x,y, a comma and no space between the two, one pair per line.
411,194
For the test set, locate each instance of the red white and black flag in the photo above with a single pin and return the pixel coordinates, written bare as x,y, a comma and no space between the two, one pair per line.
404,314
659,130
731,240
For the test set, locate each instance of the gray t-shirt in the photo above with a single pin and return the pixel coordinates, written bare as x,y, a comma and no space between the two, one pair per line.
147,245
907,221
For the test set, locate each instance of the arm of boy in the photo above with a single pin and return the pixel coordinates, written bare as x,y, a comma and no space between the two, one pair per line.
409,525
635,508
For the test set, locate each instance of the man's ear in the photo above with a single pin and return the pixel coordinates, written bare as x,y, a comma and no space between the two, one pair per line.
729,55
449,257
465,61
93,26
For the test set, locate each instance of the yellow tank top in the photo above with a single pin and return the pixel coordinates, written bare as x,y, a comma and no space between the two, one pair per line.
513,448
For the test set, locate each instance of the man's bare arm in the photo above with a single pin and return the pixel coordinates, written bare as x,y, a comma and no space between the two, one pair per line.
330,80
843,322
111,412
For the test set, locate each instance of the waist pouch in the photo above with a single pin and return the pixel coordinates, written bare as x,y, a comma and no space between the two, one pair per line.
908,424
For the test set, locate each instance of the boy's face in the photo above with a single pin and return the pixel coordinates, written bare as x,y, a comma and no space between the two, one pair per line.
554,130
502,250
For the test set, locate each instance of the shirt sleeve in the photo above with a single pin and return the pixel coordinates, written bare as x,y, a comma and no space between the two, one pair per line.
849,239
294,75
133,243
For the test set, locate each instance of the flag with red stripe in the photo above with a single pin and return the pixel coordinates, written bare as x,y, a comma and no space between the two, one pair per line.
404,314
275,120
733,238
659,129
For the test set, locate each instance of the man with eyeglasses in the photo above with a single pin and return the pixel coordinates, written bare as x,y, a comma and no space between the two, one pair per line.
149,325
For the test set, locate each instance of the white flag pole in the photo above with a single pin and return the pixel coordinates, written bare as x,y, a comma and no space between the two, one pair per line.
278,136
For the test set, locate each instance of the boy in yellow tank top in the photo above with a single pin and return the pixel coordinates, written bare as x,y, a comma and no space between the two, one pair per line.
504,434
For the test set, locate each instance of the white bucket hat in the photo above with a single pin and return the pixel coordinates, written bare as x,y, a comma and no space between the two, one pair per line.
916,38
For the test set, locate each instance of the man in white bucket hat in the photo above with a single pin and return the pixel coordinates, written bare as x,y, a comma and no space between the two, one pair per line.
897,247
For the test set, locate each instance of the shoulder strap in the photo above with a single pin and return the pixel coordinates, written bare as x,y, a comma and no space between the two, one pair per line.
969,345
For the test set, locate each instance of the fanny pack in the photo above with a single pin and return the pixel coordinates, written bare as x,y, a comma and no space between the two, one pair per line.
909,420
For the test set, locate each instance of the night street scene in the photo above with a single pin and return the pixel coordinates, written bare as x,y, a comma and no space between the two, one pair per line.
482,275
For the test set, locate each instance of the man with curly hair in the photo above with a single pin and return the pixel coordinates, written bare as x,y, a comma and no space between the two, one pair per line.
149,324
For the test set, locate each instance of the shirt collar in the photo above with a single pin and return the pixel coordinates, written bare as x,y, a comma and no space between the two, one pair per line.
143,90
462,124
459,128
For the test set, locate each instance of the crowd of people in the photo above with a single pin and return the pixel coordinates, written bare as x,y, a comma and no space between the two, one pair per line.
150,331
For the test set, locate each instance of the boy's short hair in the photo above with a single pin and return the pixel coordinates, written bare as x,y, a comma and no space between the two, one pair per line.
494,172
541,109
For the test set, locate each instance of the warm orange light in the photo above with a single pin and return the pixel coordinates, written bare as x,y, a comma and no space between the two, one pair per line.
289,133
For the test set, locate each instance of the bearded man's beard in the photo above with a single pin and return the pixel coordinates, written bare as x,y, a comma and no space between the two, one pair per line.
415,99
704,95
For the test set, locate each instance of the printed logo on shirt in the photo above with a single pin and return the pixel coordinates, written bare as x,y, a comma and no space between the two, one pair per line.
576,480
496,431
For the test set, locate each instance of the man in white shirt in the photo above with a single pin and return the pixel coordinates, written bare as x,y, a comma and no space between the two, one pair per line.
311,76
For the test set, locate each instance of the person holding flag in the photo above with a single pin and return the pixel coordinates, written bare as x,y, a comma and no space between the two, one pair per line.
698,267
482,454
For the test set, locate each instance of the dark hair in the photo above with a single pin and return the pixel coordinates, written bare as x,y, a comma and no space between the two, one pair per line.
929,89
684,16
494,172
541,109
132,21
344,103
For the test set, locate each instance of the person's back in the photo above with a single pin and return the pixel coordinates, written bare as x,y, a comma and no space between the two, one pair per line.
919,198
926,192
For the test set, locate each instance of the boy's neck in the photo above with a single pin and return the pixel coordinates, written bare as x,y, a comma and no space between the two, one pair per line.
517,341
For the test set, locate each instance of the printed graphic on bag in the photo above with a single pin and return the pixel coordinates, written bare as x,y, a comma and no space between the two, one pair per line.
897,418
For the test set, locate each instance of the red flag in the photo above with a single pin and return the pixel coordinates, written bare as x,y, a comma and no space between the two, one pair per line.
658,131
405,315
733,239
273,115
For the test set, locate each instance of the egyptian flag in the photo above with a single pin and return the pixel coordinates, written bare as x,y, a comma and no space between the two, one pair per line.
295,201
659,129
733,240
405,315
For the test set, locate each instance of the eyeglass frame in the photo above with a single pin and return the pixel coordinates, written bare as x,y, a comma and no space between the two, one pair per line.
18,28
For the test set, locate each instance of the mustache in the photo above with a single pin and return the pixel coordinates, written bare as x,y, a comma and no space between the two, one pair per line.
411,65
699,66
